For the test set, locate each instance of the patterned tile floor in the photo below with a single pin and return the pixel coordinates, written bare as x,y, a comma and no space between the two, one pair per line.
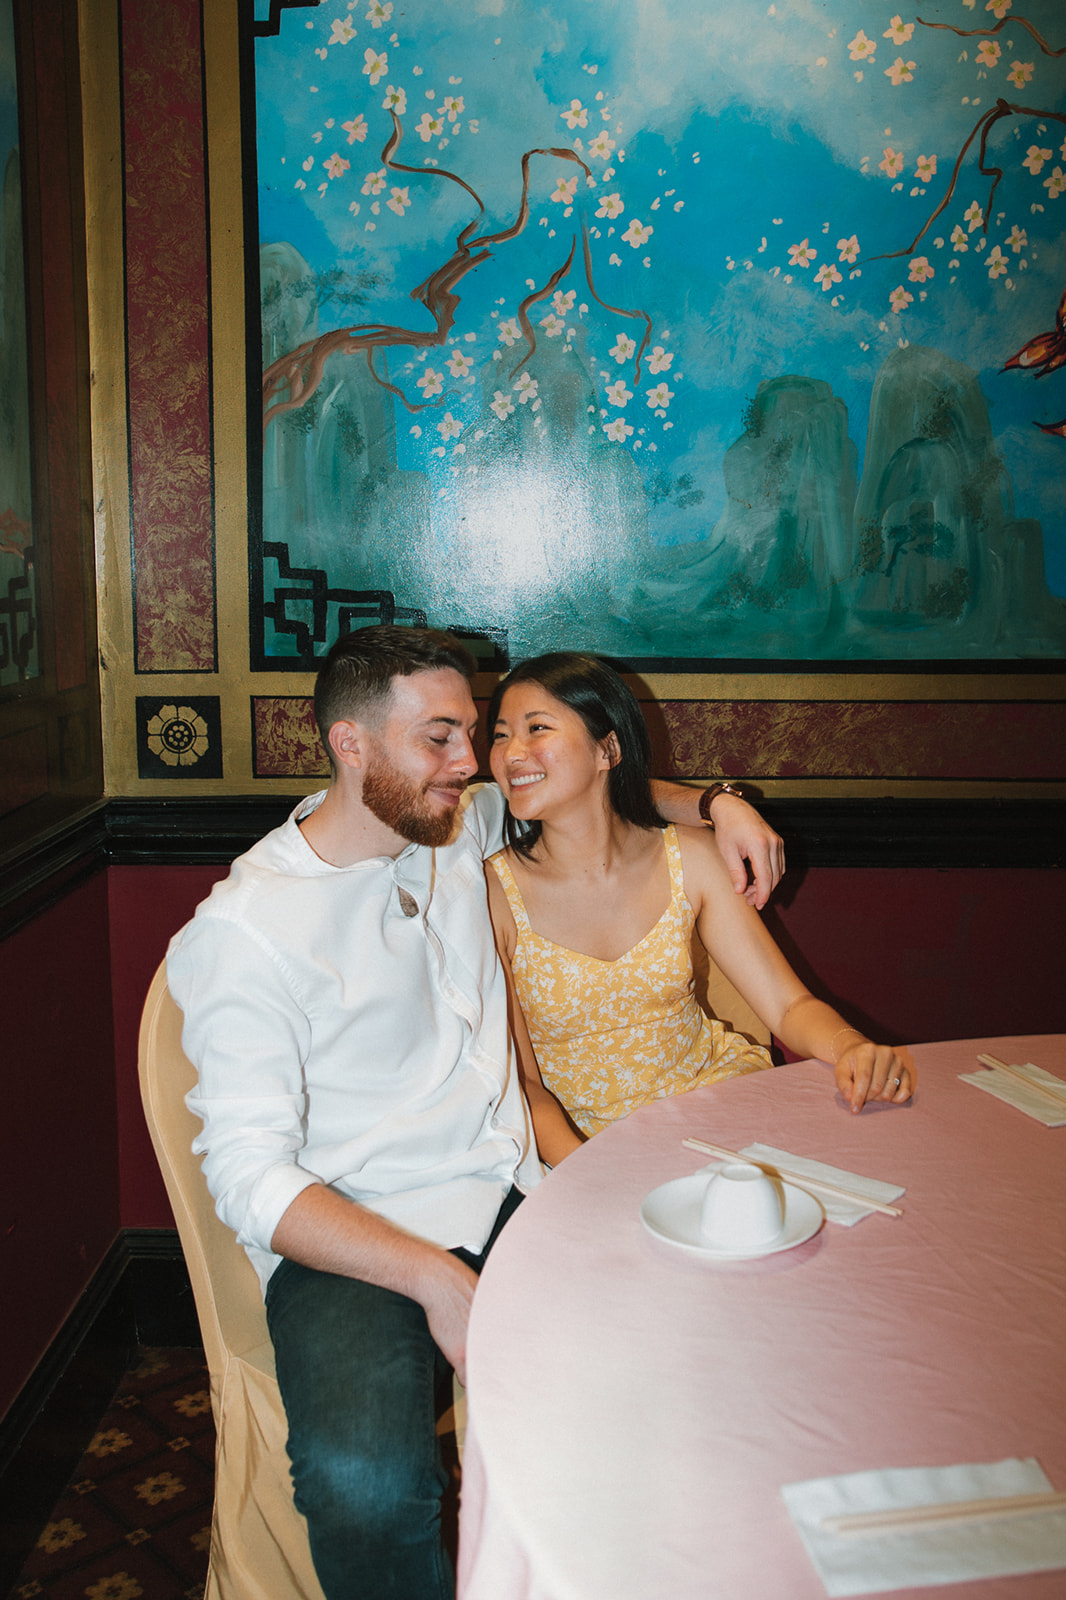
135,1519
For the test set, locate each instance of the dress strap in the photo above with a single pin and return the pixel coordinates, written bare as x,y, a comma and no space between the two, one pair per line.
673,856
501,867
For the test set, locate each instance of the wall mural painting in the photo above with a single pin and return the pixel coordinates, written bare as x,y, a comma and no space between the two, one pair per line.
678,332
18,575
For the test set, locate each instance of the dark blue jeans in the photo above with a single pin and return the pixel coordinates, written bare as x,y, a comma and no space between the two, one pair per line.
360,1375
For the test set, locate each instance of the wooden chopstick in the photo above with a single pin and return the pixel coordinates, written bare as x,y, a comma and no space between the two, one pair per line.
901,1519
1058,1095
798,1178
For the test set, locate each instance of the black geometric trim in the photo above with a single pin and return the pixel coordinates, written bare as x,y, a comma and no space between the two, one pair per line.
377,605
266,30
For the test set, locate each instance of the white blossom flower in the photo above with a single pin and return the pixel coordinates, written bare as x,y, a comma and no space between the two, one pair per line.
379,12
999,7
502,404
612,205
623,348
925,168
801,255
660,359
563,301
920,270
861,48
552,325
618,431
1035,158
508,331
343,31
848,249
565,190
575,116
374,182
458,364
1017,239
899,298
336,165
526,388
900,71
375,65
898,31
618,394
997,263
395,100
1056,183
1020,73
601,146
973,215
988,53
892,163
659,397
431,383
398,201
429,127
958,238
356,129
448,427
827,275
454,106
637,234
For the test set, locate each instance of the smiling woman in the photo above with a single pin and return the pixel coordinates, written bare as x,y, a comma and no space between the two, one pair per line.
596,902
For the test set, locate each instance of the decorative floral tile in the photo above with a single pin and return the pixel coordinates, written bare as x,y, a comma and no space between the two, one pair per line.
179,738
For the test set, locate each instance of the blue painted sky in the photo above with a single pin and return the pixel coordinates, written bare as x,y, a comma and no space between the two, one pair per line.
748,139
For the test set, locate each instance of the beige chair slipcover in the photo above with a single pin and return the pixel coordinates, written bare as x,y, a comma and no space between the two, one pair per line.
259,1547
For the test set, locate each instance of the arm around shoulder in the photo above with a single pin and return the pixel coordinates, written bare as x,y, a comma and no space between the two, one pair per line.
744,840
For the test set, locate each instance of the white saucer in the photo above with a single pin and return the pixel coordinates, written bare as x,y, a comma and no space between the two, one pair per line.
672,1212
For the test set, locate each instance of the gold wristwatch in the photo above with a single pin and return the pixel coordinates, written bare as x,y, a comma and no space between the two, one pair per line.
710,795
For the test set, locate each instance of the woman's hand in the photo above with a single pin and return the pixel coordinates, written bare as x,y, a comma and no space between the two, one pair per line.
867,1071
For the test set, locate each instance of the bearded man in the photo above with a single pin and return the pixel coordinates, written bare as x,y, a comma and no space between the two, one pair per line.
365,1129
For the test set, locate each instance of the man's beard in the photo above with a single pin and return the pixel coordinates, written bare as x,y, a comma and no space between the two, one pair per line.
401,805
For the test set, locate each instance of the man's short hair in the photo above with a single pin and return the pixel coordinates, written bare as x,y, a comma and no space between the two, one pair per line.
355,680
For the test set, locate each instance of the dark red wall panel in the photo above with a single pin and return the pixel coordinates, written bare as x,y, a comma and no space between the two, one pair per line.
59,1178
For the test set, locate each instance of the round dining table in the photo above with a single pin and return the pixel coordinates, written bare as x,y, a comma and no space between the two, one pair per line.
634,1410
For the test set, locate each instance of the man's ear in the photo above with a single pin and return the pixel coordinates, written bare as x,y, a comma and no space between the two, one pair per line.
347,741
611,749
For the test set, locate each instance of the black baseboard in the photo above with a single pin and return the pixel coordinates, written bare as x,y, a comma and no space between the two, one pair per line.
139,1294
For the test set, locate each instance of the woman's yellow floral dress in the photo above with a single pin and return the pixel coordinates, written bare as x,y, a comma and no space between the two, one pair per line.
611,1035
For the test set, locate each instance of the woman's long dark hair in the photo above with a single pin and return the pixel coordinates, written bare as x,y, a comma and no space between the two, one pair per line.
605,705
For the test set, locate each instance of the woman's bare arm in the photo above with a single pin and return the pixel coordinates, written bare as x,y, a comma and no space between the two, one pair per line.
735,938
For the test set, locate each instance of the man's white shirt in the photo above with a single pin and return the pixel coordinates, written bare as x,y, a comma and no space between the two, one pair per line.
349,1027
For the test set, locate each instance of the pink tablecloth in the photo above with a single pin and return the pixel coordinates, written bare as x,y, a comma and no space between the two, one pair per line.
634,1412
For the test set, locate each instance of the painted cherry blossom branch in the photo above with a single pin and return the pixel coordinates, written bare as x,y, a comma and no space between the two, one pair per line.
984,125
291,380
618,310
1015,22
531,299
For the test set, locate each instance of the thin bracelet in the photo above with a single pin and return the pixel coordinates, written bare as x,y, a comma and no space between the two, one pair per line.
836,1036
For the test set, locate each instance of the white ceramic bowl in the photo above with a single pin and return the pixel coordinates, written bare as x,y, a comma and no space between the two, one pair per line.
741,1210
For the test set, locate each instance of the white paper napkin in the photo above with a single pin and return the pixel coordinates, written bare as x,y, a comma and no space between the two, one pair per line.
946,1553
1014,1093
843,1211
